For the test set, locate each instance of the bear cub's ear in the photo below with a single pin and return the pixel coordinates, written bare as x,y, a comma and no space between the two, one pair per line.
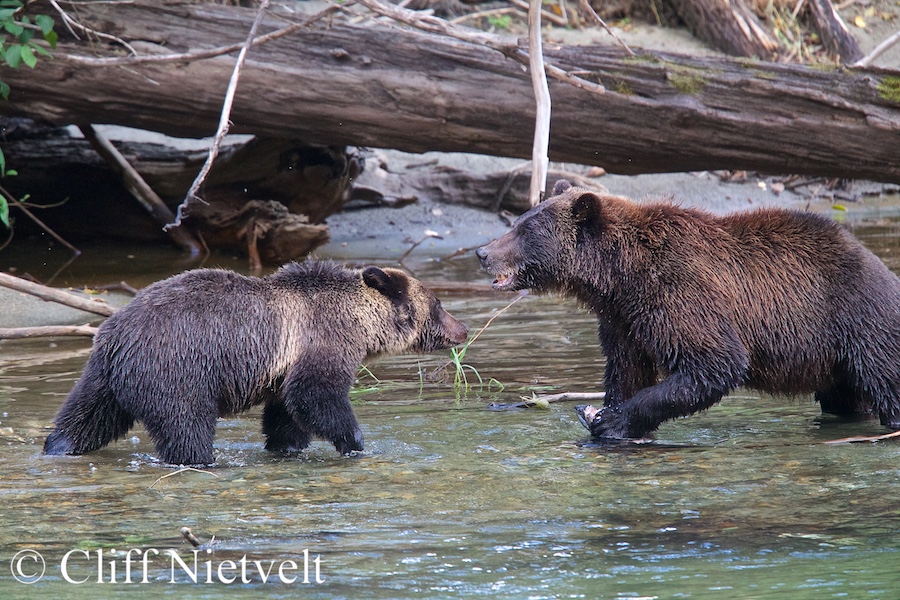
561,186
392,286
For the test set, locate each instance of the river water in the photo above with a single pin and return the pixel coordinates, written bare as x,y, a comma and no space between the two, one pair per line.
452,498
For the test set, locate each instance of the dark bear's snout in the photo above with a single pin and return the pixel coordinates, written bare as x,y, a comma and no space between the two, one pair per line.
499,258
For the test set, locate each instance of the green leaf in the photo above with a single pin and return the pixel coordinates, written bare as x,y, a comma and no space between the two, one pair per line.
4,90
39,49
28,57
2,163
4,212
13,27
7,13
11,173
13,55
51,38
17,4
26,36
45,22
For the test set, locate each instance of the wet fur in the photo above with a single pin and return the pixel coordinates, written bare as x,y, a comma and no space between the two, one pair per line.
691,306
209,343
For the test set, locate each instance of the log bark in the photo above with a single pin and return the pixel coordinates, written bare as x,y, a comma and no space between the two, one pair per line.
339,84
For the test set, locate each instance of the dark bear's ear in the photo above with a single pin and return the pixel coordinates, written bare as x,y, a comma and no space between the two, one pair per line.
586,210
390,286
561,186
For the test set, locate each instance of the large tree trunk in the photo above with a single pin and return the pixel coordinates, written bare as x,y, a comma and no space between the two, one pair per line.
339,84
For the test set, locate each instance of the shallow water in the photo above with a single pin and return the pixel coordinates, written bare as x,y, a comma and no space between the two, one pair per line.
452,499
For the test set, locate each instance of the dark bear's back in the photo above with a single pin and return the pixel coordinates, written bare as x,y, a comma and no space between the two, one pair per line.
808,294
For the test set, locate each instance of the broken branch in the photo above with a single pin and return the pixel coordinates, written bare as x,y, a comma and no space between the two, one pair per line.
53,295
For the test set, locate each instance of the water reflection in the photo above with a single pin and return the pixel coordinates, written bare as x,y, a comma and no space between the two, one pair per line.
451,499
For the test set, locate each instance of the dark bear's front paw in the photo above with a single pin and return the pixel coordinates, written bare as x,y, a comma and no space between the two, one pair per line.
349,443
603,422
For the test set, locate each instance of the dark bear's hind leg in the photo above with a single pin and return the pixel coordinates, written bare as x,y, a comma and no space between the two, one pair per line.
283,433
89,419
839,400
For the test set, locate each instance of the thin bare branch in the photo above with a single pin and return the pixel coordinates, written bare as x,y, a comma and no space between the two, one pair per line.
545,14
504,45
17,333
140,189
590,10
865,438
224,122
109,61
54,295
72,23
540,158
880,49
21,206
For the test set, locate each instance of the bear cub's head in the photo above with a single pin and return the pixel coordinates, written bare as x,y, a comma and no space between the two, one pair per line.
543,247
416,310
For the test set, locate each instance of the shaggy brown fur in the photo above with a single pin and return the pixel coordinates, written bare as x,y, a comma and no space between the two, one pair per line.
209,343
781,301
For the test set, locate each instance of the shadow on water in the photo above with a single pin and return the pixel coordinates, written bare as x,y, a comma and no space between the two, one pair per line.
451,499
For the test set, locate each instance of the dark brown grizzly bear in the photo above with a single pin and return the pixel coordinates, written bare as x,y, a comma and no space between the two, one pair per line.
691,306
209,343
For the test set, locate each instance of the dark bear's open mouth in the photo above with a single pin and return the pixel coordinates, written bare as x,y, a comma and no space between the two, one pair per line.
504,281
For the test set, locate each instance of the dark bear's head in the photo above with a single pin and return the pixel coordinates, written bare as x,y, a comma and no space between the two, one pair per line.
551,246
417,313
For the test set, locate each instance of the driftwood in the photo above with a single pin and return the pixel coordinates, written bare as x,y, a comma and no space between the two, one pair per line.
728,25
387,87
17,333
833,31
299,185
54,295
145,195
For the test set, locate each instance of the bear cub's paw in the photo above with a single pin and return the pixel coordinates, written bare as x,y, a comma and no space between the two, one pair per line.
57,443
350,443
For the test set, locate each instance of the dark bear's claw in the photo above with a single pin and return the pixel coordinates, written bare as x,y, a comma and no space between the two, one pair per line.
604,422
586,414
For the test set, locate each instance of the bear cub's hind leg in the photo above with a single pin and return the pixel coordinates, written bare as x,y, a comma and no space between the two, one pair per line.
89,419
318,398
185,439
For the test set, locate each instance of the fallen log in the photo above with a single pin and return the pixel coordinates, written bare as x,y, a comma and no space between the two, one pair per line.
340,84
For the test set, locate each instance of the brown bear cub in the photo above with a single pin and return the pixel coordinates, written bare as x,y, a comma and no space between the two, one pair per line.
209,343
691,306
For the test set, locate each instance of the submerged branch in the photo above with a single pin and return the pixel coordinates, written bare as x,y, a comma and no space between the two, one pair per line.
54,295
18,333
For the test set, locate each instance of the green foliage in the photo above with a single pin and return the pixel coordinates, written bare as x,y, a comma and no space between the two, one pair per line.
889,89
17,32
460,380
4,205
501,22
18,47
